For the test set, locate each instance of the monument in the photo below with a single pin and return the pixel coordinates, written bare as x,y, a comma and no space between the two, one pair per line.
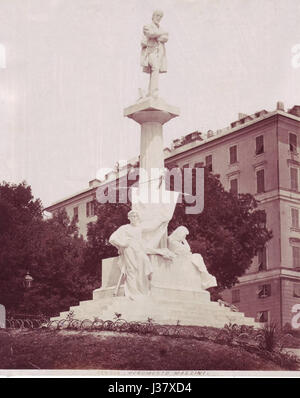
154,276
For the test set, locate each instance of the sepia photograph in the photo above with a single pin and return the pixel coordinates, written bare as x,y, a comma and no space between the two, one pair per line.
150,190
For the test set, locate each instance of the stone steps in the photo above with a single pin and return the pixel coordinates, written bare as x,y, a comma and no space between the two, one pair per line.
161,310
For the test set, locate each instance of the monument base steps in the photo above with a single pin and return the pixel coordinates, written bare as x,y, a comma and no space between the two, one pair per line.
163,306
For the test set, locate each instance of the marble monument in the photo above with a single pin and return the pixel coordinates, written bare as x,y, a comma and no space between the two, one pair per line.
155,276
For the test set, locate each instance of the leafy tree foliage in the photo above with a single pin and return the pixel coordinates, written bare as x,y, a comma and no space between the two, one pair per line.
227,233
20,218
110,217
49,248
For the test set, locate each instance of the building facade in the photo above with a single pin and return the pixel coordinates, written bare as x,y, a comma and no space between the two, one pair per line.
257,154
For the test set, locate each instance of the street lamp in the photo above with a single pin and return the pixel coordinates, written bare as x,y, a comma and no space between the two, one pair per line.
28,279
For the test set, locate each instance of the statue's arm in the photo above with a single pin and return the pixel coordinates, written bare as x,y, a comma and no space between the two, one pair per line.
164,37
119,238
186,246
178,248
174,246
149,32
152,33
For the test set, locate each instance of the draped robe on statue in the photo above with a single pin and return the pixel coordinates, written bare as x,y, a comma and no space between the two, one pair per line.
134,261
137,245
190,267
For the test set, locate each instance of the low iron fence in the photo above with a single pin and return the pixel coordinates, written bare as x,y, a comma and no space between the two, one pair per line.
18,321
247,337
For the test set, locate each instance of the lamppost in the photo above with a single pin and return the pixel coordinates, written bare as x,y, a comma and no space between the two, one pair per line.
28,279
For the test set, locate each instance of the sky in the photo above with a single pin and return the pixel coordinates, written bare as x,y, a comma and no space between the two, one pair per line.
72,66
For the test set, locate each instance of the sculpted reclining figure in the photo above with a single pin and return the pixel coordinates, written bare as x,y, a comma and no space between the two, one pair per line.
191,270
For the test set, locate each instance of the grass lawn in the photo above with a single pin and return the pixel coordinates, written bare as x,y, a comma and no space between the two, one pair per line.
63,349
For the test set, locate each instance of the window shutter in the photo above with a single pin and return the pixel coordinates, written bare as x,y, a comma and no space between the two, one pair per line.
295,218
296,257
259,144
233,154
260,180
293,142
208,162
294,179
234,186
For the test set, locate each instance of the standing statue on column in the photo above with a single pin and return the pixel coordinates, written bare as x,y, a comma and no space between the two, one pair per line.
153,56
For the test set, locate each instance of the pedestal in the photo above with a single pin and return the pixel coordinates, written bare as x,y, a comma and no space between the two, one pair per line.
151,114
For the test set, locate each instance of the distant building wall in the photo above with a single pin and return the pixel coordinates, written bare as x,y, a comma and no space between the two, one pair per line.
252,305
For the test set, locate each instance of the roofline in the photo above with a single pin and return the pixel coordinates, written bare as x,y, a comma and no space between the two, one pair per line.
60,202
182,150
84,193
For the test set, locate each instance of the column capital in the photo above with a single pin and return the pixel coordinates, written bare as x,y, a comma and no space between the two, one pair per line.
151,110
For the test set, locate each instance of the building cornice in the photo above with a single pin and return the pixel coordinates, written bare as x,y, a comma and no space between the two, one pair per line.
233,133
230,135
71,200
269,274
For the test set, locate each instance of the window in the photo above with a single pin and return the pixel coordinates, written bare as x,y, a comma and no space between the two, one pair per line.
295,218
260,181
296,257
75,213
294,179
234,186
263,316
235,296
233,154
186,166
293,142
264,291
208,162
259,145
262,259
90,209
296,290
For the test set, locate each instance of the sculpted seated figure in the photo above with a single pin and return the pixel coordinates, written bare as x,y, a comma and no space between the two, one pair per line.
135,254
189,267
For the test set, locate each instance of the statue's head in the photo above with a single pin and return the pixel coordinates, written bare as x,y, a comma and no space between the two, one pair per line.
179,234
157,16
133,217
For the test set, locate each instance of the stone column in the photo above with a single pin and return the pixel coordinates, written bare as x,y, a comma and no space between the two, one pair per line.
151,114
151,199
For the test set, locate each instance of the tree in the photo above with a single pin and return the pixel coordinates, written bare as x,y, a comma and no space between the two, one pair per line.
227,233
50,249
20,219
110,217
60,277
